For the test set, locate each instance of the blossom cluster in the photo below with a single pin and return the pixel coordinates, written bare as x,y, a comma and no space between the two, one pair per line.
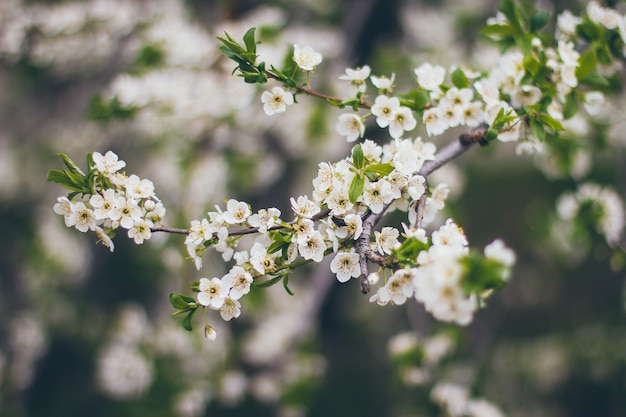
332,221
115,200
602,205
437,281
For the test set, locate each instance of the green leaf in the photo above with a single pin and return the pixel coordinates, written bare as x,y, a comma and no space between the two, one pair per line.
268,283
550,121
356,188
379,169
537,130
181,301
357,156
482,274
498,31
459,79
70,164
187,320
510,11
286,284
280,241
73,182
595,80
570,108
421,98
538,20
249,40
491,134
409,249
586,64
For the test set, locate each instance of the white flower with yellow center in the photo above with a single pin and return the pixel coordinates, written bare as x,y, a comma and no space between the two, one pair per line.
306,58
351,126
81,217
239,281
276,101
212,293
346,266
236,212
140,231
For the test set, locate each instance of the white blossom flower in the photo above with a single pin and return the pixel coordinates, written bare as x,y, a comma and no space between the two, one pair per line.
416,187
454,398
64,208
397,289
568,54
126,211
346,266
262,261
212,292
567,22
593,102
264,219
429,77
497,251
354,224
306,58
472,114
387,240
608,18
525,95
123,372
303,207
238,281
357,77
384,84
402,121
81,217
140,231
105,239
138,188
435,121
312,247
449,234
338,202
377,194
102,205
236,212
276,101
107,164
385,108
351,126
210,333
230,309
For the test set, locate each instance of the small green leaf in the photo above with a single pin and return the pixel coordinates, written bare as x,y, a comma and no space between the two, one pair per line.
498,31
181,301
586,64
356,188
421,98
595,80
286,284
510,11
268,283
459,79
380,169
71,166
570,108
357,156
537,130
538,20
187,320
491,134
249,40
550,121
